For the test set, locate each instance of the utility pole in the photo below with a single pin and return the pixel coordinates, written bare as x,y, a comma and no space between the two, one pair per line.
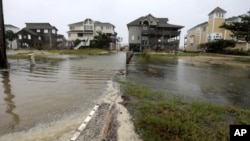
3,56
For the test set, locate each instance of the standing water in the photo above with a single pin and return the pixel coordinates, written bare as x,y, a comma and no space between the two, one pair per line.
214,83
49,100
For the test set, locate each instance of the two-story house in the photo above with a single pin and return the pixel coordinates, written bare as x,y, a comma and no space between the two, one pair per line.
210,30
87,29
37,35
11,44
152,32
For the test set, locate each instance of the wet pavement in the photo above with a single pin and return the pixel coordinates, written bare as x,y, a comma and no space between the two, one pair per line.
48,101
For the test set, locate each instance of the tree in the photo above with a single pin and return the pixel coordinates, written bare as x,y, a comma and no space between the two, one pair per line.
76,42
10,35
102,40
241,30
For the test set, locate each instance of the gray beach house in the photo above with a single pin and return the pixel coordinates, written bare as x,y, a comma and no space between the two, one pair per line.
155,33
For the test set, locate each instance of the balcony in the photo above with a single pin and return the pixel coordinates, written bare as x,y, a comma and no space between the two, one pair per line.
88,29
161,32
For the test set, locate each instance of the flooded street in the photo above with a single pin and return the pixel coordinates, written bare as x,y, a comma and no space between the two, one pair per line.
49,100
214,83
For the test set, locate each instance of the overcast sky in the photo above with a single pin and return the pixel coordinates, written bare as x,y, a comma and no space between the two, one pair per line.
61,13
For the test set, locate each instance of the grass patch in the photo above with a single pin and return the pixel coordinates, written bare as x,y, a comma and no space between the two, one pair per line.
242,59
37,57
87,51
158,58
158,118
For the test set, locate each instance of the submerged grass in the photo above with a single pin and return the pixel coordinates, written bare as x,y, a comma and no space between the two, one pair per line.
87,51
159,118
243,59
37,57
48,54
155,58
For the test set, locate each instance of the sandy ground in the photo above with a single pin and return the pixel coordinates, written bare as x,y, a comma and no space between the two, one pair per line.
221,60
112,121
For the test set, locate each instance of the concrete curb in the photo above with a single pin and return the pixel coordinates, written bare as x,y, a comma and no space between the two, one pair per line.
84,124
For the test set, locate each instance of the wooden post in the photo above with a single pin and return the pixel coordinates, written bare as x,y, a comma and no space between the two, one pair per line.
3,56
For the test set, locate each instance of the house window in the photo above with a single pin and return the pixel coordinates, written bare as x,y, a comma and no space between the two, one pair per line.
53,31
24,36
204,28
72,27
39,38
69,35
46,31
197,31
144,42
29,37
88,27
38,30
133,38
19,36
191,40
145,27
79,34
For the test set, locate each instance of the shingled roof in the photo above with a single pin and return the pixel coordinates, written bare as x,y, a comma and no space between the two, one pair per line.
29,31
201,24
161,22
95,22
39,26
10,25
218,10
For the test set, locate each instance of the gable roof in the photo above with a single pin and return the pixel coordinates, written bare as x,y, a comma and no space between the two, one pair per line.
218,10
161,22
10,25
28,30
201,24
101,23
39,26
95,22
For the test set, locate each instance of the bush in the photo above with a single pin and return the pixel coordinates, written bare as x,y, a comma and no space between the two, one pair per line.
236,52
216,46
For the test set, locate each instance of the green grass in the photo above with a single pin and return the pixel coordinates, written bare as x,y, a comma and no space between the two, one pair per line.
243,59
161,58
158,118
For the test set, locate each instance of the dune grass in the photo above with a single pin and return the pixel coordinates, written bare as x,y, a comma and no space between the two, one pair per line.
49,54
160,118
243,59
37,57
87,51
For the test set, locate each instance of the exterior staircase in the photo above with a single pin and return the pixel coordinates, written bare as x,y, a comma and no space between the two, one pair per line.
82,43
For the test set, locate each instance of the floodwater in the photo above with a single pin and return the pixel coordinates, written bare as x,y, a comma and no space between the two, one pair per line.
51,99
214,83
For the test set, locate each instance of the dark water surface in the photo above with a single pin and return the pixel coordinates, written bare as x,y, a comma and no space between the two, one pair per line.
199,81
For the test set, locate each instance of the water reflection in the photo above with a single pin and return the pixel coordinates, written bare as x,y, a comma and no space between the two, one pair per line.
9,101
227,85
